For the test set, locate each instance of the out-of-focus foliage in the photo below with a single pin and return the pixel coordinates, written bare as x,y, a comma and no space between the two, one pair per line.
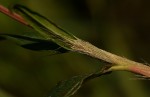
121,27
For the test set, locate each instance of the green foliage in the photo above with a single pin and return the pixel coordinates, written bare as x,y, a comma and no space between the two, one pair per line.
36,44
113,29
54,39
68,87
45,27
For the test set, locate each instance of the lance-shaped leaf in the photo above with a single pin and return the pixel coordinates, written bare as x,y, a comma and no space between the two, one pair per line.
68,87
36,44
45,27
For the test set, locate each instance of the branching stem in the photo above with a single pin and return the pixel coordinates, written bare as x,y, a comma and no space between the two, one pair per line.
80,46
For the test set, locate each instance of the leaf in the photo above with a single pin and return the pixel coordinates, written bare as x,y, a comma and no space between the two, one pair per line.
33,43
68,87
45,27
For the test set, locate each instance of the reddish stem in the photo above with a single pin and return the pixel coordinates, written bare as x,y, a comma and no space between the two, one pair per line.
13,15
140,69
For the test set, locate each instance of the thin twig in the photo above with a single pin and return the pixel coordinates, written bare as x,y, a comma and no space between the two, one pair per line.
13,15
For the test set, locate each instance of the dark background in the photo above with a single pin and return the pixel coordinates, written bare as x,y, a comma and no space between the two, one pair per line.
118,26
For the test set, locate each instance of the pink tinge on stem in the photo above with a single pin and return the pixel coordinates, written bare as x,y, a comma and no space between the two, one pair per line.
13,15
140,69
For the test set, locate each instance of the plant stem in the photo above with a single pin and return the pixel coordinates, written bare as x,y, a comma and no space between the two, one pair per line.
80,46
118,63
13,15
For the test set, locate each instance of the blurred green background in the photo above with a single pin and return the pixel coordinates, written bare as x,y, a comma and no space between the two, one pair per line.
118,26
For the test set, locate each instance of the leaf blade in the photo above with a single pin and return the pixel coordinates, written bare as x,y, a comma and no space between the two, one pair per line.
45,27
35,44
69,87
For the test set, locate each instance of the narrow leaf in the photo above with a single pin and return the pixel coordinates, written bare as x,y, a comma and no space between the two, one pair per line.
45,27
33,43
68,87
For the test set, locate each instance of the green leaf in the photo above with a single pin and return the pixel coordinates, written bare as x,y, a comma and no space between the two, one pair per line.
68,87
45,27
33,43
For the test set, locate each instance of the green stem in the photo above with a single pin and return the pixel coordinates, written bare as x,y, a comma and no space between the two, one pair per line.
118,63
